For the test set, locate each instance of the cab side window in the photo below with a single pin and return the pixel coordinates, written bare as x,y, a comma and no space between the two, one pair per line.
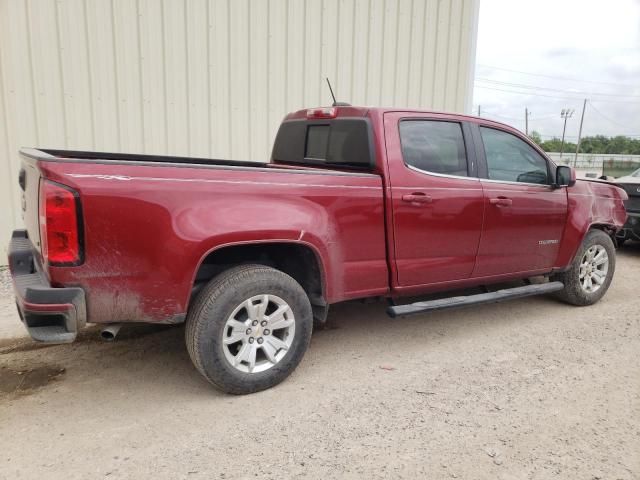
434,146
510,159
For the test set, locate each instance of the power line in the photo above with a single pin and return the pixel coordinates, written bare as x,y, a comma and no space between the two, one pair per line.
533,94
556,77
607,118
535,87
500,115
506,117
545,117
529,93
515,118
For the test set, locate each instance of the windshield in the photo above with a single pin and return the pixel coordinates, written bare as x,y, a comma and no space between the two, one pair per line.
636,173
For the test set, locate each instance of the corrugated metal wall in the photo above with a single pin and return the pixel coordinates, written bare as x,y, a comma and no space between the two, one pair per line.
213,78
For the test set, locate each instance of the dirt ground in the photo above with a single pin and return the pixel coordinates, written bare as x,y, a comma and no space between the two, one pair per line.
530,389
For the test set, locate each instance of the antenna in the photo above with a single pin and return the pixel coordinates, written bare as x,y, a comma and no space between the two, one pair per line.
335,102
331,90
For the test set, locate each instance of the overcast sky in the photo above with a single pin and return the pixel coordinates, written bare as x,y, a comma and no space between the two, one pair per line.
568,48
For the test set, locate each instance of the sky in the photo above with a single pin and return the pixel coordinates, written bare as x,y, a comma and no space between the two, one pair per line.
555,53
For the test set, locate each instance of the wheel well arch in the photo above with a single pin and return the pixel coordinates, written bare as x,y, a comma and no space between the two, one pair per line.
578,238
603,227
606,228
298,260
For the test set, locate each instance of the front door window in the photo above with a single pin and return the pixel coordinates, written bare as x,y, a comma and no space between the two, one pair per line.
509,159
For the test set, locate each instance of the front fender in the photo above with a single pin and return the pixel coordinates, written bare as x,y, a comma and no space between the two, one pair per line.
590,205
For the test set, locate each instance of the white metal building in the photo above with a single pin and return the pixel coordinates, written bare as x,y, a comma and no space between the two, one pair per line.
213,78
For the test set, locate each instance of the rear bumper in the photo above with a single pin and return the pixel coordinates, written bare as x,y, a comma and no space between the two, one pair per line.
51,315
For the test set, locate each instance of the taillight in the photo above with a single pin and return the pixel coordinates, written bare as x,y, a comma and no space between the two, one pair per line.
324,112
59,226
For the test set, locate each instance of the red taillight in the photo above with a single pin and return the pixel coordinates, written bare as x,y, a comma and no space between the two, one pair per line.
325,112
59,235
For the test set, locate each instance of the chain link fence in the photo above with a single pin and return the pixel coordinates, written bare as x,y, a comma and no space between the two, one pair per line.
588,164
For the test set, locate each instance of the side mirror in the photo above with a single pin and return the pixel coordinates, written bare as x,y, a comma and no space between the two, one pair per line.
565,176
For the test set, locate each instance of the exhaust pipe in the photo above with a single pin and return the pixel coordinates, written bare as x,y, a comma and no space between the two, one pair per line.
108,333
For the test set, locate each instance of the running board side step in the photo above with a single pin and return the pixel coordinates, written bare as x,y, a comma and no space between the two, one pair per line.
464,301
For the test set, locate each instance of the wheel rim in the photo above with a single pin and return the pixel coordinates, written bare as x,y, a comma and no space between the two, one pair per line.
258,333
593,268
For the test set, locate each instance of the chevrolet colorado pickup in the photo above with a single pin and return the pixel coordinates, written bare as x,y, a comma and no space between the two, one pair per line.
355,203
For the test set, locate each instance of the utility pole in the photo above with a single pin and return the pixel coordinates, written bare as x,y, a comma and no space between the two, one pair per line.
478,110
566,113
526,121
584,106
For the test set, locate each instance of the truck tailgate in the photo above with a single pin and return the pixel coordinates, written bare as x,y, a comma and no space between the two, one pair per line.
29,179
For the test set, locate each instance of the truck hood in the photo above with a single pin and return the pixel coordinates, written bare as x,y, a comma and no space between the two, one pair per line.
631,185
628,180
601,188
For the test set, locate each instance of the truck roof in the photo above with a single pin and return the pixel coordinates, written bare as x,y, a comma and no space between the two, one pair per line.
360,111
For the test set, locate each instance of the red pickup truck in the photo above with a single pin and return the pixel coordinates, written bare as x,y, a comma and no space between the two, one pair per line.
355,203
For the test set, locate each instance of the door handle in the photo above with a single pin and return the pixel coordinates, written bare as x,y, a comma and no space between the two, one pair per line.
416,198
501,202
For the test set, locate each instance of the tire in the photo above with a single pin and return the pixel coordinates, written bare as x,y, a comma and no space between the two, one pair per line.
224,301
574,291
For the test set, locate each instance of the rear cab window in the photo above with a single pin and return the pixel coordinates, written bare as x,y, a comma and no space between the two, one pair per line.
434,146
338,143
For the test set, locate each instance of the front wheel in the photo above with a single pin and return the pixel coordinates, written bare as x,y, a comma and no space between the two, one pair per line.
589,276
249,328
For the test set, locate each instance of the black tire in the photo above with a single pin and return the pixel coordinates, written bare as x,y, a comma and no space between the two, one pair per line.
206,320
573,291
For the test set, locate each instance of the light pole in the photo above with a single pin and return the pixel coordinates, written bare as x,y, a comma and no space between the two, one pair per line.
584,107
566,113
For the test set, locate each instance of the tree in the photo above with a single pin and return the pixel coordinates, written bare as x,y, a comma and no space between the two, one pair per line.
535,136
597,144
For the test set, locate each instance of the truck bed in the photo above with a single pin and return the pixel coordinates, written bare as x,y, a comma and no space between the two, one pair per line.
150,222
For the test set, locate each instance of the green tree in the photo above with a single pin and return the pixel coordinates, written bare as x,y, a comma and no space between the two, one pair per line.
535,136
597,144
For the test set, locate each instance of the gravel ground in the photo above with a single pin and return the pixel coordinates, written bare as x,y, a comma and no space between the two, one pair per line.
530,389
10,326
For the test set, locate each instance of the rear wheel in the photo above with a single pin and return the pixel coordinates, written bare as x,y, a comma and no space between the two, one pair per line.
249,328
590,274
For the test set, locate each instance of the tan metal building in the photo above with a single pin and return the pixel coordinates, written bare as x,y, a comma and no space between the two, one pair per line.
213,78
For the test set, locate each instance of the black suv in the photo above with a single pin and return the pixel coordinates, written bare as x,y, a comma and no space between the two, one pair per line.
631,184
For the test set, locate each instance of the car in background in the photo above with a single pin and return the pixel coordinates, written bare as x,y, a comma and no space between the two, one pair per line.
631,229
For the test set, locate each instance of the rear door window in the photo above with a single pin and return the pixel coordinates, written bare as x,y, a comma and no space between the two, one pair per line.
434,146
